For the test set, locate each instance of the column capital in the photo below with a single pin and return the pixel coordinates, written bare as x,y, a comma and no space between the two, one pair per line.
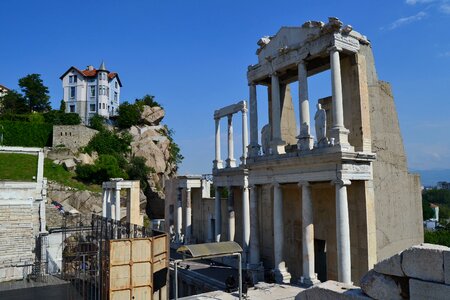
274,74
275,184
252,84
334,48
341,181
303,183
301,62
188,189
217,119
230,116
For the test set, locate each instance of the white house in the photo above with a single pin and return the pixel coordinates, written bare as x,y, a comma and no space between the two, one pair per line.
91,91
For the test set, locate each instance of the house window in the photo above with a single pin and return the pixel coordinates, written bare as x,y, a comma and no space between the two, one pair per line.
115,96
115,83
72,108
72,92
92,107
103,105
92,90
107,91
73,79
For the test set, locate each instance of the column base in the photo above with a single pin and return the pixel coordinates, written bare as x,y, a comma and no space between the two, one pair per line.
230,162
277,147
256,272
305,143
308,282
217,164
282,276
340,136
253,150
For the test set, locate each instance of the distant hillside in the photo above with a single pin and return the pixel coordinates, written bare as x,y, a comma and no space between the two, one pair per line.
431,177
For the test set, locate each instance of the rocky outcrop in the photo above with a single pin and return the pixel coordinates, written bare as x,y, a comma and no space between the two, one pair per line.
152,115
151,141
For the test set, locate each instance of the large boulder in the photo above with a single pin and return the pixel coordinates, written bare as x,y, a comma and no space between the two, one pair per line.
390,266
152,115
380,286
425,262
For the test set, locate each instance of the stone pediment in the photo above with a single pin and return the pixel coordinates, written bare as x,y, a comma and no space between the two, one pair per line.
285,39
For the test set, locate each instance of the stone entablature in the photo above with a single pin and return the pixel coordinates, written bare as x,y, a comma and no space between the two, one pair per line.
72,136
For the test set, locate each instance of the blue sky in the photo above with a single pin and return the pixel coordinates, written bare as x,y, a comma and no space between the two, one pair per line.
193,56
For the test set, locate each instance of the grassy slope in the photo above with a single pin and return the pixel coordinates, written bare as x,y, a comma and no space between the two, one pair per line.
18,167
22,167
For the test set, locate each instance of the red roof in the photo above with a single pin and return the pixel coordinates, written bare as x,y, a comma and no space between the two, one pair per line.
92,73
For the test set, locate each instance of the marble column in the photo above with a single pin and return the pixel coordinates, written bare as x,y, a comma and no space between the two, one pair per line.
179,216
109,206
342,231
254,228
245,220
188,230
254,146
305,140
217,160
338,130
117,203
244,134
309,276
281,273
231,216
104,202
231,162
277,143
218,215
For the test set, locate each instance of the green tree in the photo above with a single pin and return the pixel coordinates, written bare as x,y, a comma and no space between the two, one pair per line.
13,103
35,93
62,106
129,115
138,170
427,211
97,122
148,100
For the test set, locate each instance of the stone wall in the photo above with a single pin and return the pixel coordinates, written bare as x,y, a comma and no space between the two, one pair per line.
19,226
72,136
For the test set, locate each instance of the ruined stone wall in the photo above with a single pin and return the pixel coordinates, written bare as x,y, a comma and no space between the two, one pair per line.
398,205
72,136
19,224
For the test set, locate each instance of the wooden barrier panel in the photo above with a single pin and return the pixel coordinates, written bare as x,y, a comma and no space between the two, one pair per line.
132,263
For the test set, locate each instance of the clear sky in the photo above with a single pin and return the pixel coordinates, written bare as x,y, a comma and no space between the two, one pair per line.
193,56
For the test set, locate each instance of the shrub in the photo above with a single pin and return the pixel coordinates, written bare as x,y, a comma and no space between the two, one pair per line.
129,115
107,142
438,237
26,134
97,122
56,117
106,167
138,170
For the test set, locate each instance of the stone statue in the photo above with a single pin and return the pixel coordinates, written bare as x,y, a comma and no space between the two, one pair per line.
265,139
320,120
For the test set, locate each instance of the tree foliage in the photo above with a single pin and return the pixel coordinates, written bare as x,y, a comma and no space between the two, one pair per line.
107,142
105,168
438,237
97,122
129,115
138,170
56,117
13,103
35,93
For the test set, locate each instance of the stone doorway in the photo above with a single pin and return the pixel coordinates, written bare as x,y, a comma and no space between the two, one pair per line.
320,264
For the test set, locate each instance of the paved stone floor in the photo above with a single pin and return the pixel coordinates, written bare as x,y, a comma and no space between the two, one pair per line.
261,291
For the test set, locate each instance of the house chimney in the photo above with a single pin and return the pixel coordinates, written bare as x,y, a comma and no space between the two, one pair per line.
90,68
